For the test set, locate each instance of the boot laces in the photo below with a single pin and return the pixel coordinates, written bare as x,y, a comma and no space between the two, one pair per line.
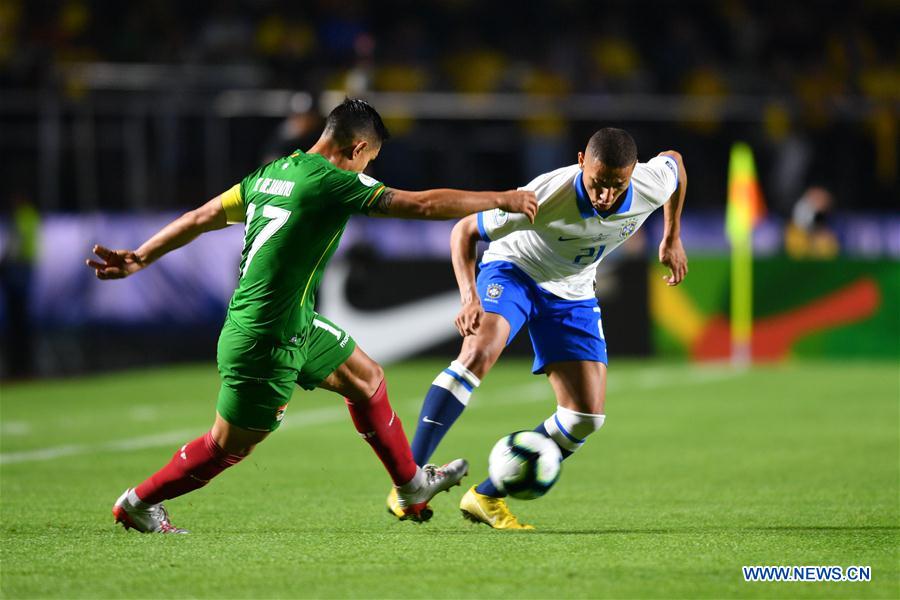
433,473
161,516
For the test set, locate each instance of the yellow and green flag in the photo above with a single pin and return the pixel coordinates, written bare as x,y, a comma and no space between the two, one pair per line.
745,209
745,203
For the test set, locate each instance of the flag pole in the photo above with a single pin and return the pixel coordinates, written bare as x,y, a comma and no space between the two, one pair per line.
745,208
742,301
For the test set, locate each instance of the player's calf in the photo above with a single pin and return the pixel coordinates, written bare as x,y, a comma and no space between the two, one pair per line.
450,391
191,467
381,428
445,401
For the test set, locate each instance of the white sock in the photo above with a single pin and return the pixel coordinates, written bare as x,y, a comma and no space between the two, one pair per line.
569,428
133,499
458,380
413,484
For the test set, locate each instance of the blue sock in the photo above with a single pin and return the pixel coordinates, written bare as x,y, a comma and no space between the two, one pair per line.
488,488
446,399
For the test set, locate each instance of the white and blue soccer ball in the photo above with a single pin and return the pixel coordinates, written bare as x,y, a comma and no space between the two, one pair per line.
524,464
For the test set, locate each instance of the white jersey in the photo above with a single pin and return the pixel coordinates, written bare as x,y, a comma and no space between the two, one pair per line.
561,250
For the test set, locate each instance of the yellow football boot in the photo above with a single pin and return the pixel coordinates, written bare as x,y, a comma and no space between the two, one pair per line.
393,504
493,512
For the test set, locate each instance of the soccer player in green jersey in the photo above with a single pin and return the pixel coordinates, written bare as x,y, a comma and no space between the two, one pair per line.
294,211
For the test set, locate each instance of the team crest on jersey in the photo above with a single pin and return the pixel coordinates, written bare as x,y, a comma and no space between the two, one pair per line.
628,228
494,291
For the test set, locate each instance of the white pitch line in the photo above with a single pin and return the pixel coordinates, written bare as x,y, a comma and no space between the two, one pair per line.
529,392
15,428
651,380
169,438
42,454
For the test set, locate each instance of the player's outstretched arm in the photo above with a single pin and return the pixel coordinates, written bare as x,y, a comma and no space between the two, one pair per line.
451,204
671,250
463,241
117,264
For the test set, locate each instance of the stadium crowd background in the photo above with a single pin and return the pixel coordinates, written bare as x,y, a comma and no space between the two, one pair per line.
114,116
822,78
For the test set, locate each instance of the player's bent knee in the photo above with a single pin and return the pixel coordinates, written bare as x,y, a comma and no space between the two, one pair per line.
240,450
479,358
370,377
236,447
376,376
357,379
235,440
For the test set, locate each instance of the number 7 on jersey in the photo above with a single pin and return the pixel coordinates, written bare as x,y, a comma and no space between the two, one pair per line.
278,216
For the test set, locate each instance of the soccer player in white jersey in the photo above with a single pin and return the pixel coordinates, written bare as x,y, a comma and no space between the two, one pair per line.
542,274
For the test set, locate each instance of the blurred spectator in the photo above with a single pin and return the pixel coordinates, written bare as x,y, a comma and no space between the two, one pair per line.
546,142
814,72
809,234
299,130
19,256
225,35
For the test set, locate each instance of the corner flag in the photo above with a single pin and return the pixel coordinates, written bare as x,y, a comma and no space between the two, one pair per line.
745,209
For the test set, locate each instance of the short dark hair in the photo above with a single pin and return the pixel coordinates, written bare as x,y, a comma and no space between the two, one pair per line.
353,119
613,147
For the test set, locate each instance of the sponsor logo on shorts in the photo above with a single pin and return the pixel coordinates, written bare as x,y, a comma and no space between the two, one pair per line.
500,217
345,340
279,414
494,291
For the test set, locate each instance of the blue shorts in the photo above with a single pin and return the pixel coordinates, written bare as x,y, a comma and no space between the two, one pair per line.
560,329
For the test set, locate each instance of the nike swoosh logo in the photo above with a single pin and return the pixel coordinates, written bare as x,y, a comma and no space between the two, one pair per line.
427,420
568,239
388,334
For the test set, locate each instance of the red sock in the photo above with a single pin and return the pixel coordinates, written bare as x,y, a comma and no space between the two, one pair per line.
380,426
191,467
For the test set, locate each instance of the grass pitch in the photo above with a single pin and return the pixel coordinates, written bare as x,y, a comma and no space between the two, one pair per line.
697,472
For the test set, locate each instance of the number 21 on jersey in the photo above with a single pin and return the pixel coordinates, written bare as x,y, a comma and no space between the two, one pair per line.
277,218
589,255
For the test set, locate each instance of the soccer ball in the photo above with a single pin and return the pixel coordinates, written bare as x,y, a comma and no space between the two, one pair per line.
524,464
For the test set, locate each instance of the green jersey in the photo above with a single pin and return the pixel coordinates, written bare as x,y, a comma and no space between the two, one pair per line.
294,211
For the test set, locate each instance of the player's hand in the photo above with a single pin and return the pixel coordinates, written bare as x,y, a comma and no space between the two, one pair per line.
469,318
672,254
519,201
116,264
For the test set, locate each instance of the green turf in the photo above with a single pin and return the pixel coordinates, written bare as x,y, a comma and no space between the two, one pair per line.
696,473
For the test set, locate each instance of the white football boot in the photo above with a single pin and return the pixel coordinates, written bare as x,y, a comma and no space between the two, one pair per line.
429,481
150,518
